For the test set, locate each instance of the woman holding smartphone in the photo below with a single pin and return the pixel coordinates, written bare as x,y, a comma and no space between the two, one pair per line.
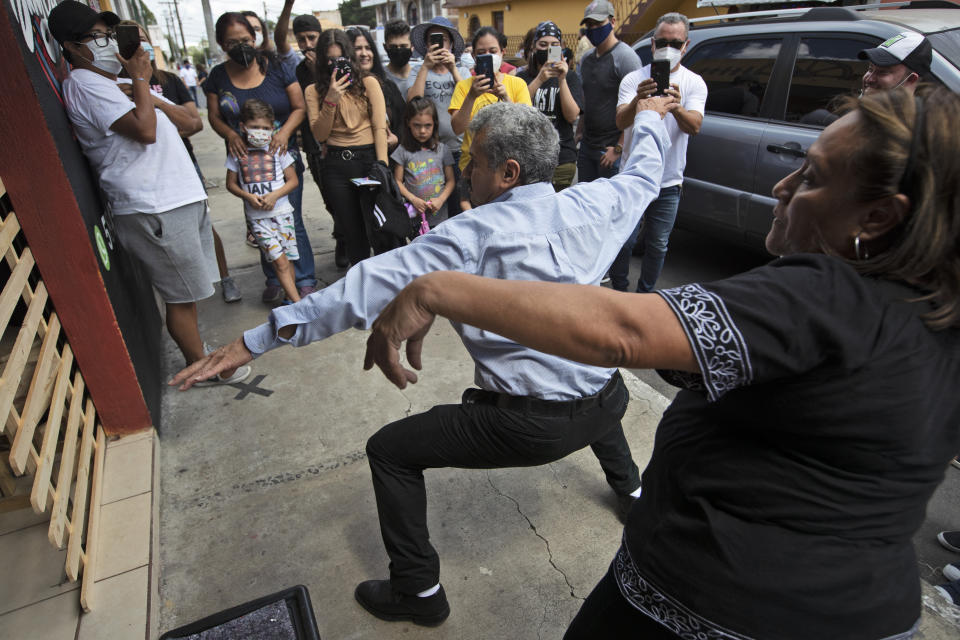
347,113
556,93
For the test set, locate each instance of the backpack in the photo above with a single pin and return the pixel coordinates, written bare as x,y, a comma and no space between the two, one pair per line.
385,215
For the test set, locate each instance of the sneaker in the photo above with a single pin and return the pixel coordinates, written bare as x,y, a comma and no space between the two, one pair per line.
950,540
305,291
340,255
955,462
240,374
952,571
605,279
230,290
272,294
379,599
624,503
950,591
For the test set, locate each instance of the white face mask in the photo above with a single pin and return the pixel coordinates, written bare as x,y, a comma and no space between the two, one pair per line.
257,39
670,54
105,58
497,62
259,137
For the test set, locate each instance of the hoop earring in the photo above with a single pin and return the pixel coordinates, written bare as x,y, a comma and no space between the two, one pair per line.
856,249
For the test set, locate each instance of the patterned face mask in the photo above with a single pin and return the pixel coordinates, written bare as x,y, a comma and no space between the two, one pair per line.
259,137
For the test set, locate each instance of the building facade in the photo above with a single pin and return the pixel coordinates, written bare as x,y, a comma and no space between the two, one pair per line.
412,11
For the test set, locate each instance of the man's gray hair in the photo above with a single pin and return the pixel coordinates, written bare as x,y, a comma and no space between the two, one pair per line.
518,132
674,18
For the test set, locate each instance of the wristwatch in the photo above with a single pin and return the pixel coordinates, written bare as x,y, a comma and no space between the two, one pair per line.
618,148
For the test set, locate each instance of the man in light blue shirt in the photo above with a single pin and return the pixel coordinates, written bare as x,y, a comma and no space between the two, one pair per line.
530,408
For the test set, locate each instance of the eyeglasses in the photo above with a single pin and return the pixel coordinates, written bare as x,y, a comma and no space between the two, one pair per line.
663,42
230,44
100,38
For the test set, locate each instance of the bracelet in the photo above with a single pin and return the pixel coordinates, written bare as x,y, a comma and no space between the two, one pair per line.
332,104
144,79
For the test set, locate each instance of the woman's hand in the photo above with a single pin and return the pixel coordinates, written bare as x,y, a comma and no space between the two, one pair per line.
138,66
445,58
338,87
500,90
392,139
279,141
236,146
480,86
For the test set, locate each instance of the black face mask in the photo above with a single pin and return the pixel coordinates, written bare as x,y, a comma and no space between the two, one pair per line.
539,58
243,54
399,56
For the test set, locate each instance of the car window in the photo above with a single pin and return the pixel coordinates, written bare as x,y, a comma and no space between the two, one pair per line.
948,44
826,70
736,71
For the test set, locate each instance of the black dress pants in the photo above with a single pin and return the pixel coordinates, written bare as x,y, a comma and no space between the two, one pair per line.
344,198
479,434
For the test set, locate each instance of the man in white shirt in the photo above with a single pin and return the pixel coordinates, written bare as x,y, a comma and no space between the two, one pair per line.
189,76
155,196
670,40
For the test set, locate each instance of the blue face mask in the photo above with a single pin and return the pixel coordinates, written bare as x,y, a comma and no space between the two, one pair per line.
146,46
598,34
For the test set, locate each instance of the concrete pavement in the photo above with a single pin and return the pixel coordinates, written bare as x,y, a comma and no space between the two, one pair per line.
265,485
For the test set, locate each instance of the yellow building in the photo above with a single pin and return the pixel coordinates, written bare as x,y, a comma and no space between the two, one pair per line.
515,17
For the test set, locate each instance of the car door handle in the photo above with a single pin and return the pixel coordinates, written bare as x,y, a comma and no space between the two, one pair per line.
788,148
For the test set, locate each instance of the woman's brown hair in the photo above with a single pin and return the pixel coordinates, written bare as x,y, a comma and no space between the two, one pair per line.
908,144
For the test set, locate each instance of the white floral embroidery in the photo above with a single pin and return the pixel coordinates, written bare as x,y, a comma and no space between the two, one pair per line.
647,598
717,343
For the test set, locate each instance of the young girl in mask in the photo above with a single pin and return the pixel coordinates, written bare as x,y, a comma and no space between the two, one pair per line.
249,73
262,179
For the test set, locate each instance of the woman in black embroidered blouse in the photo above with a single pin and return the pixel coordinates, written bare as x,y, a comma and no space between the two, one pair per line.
819,406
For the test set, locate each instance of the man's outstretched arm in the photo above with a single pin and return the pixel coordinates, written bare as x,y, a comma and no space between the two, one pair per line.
587,324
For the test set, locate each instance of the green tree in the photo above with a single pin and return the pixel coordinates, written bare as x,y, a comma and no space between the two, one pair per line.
148,17
352,13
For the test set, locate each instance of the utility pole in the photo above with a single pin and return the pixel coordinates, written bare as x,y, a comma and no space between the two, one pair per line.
176,9
211,33
264,14
173,35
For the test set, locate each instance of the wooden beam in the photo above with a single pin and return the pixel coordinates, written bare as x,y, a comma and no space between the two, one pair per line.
51,434
61,496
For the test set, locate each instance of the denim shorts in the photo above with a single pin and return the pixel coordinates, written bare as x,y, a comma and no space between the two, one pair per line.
175,247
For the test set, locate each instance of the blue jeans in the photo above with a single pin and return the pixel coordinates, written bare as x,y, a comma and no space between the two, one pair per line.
588,164
657,223
304,268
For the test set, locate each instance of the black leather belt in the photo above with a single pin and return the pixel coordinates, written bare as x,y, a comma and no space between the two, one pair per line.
537,406
349,153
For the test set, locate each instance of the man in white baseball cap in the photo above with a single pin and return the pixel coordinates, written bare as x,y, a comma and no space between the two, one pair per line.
901,61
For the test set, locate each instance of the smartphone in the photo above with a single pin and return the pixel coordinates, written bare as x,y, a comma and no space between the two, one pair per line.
341,67
660,71
128,39
554,53
484,67
436,39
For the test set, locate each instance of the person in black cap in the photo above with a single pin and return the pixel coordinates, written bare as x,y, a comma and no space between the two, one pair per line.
156,198
901,61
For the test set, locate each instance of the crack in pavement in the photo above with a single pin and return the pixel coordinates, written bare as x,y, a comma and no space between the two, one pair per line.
536,533
556,475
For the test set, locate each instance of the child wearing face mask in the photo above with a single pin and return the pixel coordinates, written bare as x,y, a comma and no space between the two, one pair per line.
263,180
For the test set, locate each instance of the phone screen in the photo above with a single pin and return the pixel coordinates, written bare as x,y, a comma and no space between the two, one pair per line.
660,71
128,39
484,66
341,68
554,53
436,39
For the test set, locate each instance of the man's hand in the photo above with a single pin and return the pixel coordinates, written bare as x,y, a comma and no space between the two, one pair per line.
480,86
138,66
403,319
662,105
674,92
646,89
226,359
609,157
500,90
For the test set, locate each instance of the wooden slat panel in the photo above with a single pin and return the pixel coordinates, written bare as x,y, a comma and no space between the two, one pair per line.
21,349
37,398
93,528
51,435
13,288
61,496
9,230
78,517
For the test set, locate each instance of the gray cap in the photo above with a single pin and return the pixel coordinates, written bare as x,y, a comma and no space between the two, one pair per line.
598,10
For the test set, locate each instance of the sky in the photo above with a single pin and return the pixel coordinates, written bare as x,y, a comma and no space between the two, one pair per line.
191,12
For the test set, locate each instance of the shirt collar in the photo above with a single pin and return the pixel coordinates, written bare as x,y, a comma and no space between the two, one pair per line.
525,192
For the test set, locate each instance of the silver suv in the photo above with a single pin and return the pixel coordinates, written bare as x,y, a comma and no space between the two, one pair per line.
769,80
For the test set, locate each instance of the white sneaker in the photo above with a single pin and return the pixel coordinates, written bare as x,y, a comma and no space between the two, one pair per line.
240,374
952,571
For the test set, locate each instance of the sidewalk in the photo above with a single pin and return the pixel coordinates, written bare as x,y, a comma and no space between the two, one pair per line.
266,485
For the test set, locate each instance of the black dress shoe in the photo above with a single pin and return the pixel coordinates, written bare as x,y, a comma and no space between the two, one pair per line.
340,255
379,598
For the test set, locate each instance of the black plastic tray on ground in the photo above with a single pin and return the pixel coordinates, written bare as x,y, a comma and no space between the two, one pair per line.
285,615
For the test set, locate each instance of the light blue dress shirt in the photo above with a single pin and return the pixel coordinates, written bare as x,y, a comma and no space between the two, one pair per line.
528,233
